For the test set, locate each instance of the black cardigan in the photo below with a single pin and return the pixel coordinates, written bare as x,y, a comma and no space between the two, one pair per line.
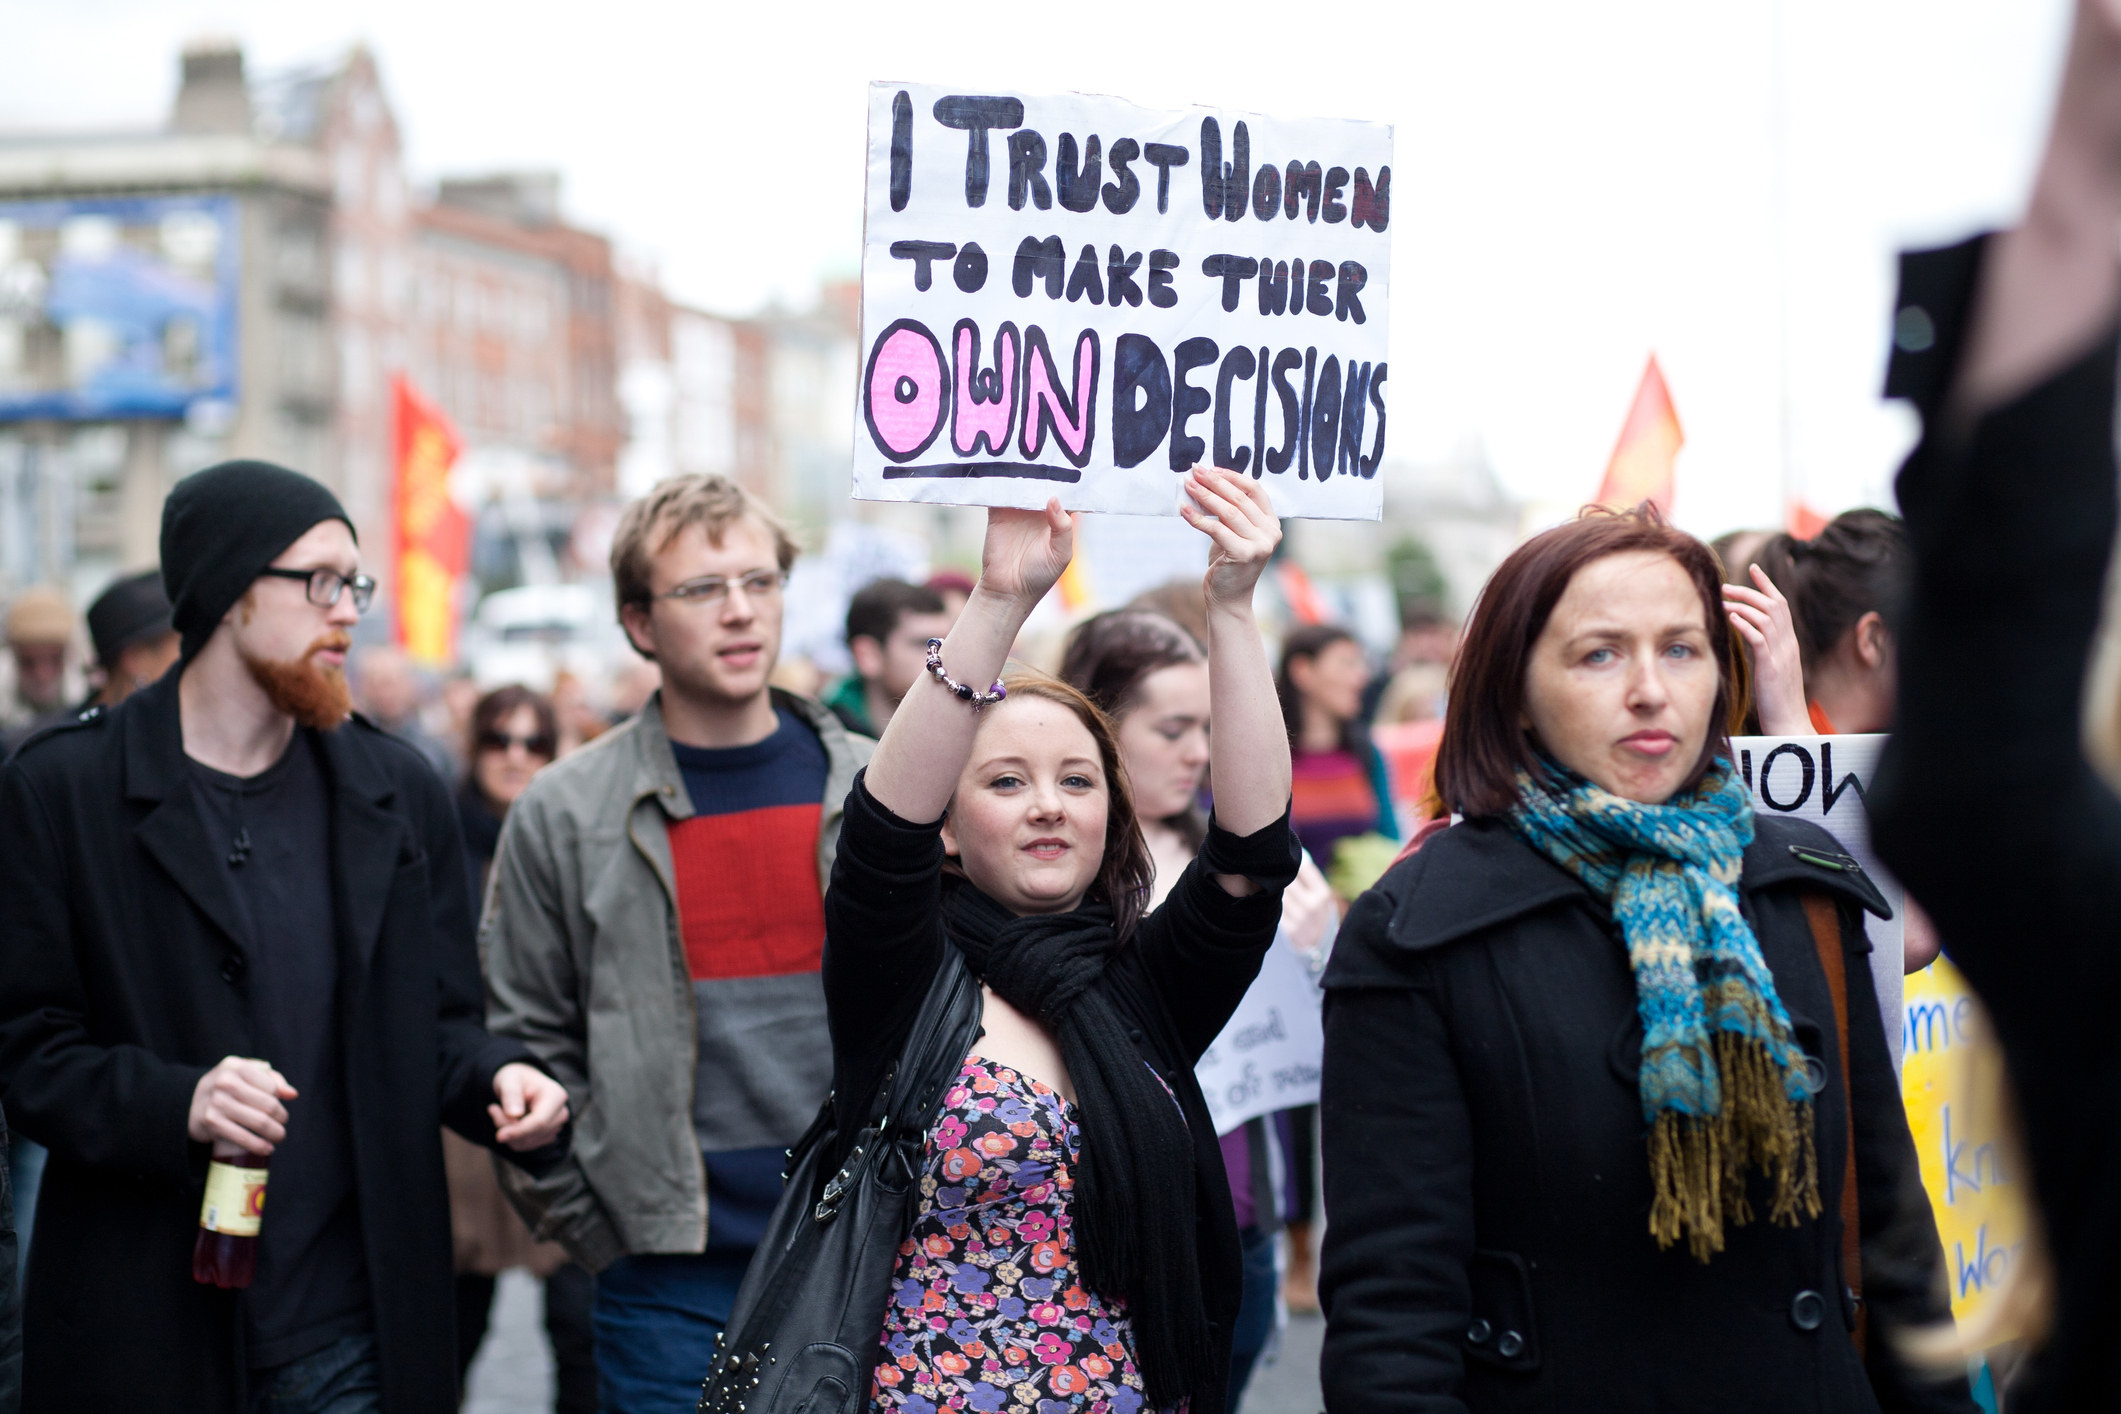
1177,982
1985,805
1488,1185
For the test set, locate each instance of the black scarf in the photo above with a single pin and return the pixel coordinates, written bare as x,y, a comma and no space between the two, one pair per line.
1134,1195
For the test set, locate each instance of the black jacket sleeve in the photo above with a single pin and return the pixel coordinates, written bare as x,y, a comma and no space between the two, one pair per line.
2011,524
883,941
469,1055
1397,1140
1201,947
1904,1287
10,1296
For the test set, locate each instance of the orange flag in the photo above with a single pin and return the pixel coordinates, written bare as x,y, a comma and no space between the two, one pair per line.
1642,465
433,535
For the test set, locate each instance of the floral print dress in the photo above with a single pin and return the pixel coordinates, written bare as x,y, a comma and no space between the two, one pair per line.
988,1313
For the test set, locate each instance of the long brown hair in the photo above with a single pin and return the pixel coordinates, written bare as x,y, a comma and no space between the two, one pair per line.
1124,872
1110,656
1484,742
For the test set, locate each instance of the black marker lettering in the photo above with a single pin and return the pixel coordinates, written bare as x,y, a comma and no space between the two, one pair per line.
1078,186
1302,183
970,268
1119,277
1345,302
1238,363
1164,156
1285,363
1372,206
1161,264
1084,280
1325,419
1187,401
1233,271
1036,259
1138,366
902,151
922,254
975,116
1120,199
1336,209
1027,171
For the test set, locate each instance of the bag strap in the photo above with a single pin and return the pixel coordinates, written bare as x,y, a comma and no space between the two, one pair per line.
1824,916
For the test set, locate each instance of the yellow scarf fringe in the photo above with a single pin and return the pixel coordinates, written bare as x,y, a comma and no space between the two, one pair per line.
1698,1165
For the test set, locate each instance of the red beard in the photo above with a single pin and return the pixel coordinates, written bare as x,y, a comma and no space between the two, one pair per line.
313,695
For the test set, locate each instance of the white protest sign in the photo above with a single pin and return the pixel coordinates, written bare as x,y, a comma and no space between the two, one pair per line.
1272,1049
1074,296
1824,779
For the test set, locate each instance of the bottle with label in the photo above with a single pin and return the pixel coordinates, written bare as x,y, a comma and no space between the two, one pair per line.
226,1253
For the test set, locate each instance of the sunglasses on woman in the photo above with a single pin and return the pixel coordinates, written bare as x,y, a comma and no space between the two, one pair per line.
502,741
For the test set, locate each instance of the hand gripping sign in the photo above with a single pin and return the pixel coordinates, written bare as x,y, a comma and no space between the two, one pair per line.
1073,296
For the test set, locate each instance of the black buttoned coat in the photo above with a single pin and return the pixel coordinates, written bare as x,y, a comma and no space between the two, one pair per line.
122,982
1487,1242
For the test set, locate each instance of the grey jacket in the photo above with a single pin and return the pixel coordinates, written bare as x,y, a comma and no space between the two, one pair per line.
583,958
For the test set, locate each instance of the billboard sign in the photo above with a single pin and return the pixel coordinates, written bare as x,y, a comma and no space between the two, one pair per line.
117,308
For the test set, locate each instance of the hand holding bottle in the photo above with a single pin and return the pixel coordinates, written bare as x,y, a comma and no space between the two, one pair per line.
241,1102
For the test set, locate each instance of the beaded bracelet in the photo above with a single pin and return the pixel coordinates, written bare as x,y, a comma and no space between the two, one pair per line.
963,691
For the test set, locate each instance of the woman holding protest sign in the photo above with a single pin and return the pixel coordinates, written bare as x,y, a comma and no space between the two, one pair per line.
1150,677
1609,1117
1073,1231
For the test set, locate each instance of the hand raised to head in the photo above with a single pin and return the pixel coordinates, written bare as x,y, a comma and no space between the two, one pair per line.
1026,551
1232,511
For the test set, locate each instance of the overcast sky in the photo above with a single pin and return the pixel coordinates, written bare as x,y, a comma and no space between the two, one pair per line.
1722,182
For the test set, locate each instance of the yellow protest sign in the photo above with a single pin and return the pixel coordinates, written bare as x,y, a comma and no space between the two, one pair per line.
1952,1082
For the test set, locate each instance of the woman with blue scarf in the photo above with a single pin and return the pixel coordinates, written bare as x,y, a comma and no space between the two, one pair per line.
1591,1119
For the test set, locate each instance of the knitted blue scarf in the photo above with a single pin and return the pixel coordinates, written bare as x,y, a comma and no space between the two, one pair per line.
1723,1079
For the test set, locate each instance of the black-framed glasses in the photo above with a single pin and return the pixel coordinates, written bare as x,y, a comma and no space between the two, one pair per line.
325,586
710,591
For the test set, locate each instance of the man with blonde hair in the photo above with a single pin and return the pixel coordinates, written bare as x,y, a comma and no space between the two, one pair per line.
693,841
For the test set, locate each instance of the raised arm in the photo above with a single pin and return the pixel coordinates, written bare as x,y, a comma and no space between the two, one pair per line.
916,765
2051,284
1249,751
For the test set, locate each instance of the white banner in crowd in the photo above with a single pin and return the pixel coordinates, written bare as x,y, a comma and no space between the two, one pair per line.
1824,779
1073,296
1270,1052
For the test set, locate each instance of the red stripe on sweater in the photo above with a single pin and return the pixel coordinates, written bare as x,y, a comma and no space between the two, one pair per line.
748,898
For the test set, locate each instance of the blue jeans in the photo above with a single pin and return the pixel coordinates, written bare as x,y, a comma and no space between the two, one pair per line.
339,1379
1255,1313
656,1317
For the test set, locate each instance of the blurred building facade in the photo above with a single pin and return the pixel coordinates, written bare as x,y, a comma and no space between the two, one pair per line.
291,185
767,400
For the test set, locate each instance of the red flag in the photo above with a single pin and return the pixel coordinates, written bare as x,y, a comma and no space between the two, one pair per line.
433,534
1305,603
1643,460
1805,523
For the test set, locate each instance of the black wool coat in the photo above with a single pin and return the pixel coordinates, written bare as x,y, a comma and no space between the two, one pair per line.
122,982
1487,1179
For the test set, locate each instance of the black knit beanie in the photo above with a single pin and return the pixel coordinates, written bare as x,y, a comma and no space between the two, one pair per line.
222,526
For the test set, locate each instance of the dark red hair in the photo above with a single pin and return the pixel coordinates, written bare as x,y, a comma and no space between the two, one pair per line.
1484,742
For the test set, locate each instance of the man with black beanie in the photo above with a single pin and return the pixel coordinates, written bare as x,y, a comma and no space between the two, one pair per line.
235,919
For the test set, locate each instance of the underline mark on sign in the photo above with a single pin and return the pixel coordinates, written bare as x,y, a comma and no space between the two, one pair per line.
1024,470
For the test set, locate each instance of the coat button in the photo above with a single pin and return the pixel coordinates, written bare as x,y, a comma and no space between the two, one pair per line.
1510,1346
1807,1310
1479,1332
232,968
1814,1074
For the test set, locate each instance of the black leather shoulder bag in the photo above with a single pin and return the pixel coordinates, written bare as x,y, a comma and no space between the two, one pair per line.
805,1334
